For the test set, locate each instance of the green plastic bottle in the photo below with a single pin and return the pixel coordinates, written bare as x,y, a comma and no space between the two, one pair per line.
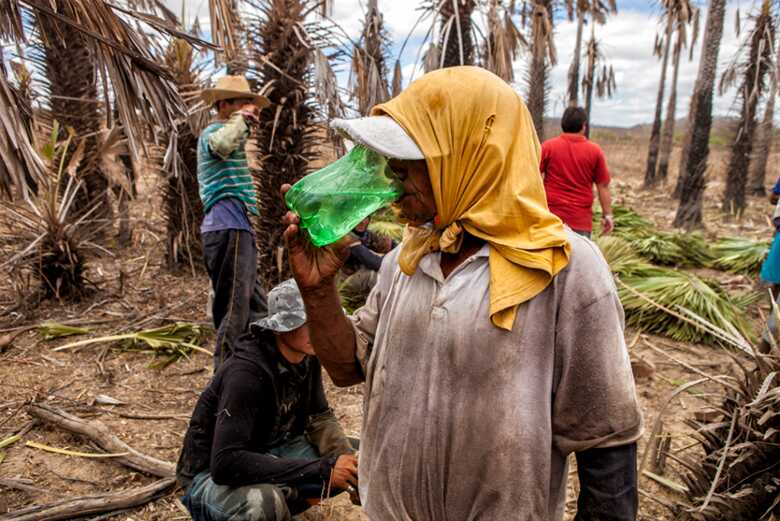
332,201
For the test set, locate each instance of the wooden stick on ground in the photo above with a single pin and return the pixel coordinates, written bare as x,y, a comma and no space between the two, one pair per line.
100,434
85,505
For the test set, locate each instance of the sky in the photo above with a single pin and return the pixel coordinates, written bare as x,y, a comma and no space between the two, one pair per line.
627,42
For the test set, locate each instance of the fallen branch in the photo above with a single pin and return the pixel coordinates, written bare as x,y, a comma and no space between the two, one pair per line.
21,485
86,505
100,434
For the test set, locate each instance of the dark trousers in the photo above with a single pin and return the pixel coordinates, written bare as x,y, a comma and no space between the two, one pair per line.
208,501
231,262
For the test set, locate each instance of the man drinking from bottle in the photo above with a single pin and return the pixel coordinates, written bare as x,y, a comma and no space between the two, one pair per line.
492,345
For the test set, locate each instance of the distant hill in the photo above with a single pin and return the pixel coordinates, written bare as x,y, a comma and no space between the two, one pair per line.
723,129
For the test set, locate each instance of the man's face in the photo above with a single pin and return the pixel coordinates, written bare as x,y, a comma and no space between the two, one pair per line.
298,340
228,107
417,205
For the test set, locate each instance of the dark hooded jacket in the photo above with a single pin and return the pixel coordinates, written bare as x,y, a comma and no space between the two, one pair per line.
257,400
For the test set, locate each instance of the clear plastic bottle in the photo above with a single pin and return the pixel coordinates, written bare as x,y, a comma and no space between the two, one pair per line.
333,200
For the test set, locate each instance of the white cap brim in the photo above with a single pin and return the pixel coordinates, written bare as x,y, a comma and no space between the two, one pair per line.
381,134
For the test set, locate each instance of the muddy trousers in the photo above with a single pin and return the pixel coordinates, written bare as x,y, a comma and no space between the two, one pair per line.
231,262
208,501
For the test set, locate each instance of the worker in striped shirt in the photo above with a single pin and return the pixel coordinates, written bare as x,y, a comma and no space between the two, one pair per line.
228,196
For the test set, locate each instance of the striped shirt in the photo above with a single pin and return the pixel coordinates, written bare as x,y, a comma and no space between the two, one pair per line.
223,170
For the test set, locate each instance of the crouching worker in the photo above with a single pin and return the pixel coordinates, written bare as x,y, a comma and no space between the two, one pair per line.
263,444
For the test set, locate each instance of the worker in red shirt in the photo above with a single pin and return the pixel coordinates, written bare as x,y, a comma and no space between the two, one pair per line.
570,166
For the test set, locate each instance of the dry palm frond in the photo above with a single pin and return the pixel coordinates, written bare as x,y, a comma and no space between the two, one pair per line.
397,79
504,41
228,32
141,86
21,169
171,342
457,33
735,473
368,76
739,255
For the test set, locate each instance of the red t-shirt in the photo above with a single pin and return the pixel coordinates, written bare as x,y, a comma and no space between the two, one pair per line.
570,165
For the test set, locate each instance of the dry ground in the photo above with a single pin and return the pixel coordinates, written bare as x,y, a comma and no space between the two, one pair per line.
147,295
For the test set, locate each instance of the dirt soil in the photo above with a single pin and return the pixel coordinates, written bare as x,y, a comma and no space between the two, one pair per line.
136,291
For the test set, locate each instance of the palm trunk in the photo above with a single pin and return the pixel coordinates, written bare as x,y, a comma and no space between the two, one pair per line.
286,136
72,77
751,89
457,39
667,138
538,74
590,80
125,233
692,181
182,207
574,68
756,185
655,134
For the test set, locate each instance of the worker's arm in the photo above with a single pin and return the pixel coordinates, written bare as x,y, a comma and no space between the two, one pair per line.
596,413
608,484
225,140
366,257
322,426
235,462
605,200
332,334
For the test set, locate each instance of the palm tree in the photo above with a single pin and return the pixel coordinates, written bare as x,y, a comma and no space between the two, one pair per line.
598,76
92,40
72,82
457,34
684,15
692,181
182,206
369,62
286,136
597,10
542,58
765,134
753,71
662,46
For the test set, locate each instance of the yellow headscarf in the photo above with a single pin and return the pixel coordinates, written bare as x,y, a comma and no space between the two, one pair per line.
482,155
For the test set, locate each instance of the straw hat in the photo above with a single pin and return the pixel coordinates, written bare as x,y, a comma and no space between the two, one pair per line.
232,87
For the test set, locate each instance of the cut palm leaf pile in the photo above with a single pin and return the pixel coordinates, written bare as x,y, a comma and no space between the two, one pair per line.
674,290
668,249
171,342
686,293
739,255
52,330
